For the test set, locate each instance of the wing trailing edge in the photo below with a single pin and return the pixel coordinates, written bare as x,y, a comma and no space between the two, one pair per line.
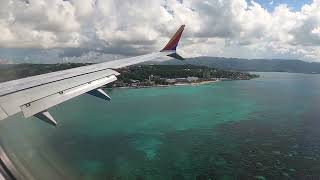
45,103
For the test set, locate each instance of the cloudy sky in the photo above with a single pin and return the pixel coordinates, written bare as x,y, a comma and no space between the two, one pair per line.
50,31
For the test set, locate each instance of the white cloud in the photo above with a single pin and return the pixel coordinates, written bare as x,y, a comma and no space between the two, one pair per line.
232,28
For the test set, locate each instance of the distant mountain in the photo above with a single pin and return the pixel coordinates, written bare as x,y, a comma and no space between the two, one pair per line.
258,65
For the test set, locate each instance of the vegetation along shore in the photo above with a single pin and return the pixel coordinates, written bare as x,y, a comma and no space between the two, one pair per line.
135,76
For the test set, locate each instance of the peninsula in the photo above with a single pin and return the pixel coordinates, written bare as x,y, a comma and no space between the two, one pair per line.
166,75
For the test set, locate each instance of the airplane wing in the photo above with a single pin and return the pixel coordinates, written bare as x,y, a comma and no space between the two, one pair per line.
33,96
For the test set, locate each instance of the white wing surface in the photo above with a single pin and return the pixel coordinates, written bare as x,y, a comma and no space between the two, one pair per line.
33,96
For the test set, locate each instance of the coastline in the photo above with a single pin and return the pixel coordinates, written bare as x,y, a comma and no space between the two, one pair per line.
169,85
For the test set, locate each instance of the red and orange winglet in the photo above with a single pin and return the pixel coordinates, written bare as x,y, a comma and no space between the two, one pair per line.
173,43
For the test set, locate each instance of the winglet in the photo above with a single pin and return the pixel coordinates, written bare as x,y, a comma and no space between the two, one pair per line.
173,43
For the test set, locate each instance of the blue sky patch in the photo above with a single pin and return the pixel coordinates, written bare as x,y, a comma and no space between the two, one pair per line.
293,4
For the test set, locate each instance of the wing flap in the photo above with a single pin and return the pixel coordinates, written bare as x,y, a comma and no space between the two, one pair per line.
11,103
45,103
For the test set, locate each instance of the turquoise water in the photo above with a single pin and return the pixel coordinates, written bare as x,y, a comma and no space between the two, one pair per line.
262,128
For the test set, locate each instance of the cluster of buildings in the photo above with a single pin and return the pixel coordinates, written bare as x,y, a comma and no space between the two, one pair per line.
182,80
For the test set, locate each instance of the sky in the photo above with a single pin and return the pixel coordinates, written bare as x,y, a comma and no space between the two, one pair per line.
270,5
51,31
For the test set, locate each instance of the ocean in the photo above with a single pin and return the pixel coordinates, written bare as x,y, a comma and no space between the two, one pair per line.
265,128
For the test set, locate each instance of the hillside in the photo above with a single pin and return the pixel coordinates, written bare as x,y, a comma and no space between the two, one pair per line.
258,65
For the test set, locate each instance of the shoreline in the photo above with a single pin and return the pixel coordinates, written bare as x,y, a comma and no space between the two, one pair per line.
169,85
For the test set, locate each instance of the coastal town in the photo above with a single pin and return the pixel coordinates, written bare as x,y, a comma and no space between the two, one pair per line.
169,75
151,81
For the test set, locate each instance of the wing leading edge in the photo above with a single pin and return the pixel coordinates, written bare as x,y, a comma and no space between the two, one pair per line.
33,96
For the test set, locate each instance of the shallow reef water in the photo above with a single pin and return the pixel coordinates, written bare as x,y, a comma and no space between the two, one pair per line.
266,128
